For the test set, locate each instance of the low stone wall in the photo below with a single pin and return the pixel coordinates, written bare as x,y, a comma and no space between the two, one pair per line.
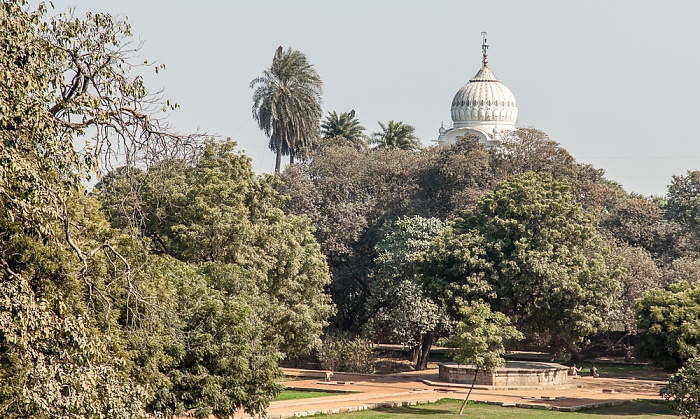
514,373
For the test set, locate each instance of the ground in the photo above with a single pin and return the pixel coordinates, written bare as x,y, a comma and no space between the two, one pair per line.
411,387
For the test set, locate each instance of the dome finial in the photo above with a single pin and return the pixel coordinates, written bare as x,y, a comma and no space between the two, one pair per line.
484,47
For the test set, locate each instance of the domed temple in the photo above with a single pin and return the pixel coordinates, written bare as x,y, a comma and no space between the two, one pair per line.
484,107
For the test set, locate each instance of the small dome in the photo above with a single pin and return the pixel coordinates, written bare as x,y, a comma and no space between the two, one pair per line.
484,99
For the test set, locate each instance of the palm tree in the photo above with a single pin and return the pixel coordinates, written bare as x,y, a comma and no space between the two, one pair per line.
287,103
396,135
345,127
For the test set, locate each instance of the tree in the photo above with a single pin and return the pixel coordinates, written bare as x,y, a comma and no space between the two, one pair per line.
400,307
58,356
351,197
223,361
479,338
452,178
684,199
81,316
396,135
638,274
685,268
214,210
682,390
668,324
529,250
344,127
531,150
638,221
287,104
92,323
60,76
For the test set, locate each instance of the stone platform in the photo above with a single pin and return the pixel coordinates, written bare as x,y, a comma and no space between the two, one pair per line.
513,374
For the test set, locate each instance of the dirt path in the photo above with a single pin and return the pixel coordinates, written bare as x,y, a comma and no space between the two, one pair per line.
371,391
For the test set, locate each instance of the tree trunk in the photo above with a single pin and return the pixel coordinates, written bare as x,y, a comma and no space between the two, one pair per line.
278,158
414,354
575,354
628,349
466,399
426,344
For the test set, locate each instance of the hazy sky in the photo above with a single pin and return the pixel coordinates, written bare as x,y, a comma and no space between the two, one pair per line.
617,83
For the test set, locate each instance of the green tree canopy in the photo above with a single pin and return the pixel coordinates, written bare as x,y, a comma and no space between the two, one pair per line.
530,251
92,323
82,323
452,178
668,323
638,274
684,199
351,197
287,103
215,211
682,390
71,345
223,361
400,307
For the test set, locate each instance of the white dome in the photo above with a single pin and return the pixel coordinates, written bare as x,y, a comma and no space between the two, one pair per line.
484,108
484,99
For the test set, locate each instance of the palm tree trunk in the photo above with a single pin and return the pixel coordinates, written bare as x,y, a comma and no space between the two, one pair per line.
278,157
470,391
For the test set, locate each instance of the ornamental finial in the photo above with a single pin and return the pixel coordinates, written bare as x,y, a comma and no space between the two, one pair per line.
484,47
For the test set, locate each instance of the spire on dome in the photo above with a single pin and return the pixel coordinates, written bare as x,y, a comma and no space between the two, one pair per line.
484,47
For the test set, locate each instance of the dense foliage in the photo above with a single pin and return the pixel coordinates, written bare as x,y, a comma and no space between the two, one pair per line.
531,252
682,390
213,211
669,325
609,246
342,352
188,301
80,333
399,308
183,280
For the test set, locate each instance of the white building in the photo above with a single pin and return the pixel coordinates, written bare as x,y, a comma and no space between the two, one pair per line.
484,107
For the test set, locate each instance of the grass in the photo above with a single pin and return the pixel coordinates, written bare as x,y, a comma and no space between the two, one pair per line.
446,408
293,393
618,370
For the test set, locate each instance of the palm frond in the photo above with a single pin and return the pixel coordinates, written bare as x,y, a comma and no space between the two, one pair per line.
287,103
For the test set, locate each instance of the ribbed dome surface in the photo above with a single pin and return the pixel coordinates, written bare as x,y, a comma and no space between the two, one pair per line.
484,98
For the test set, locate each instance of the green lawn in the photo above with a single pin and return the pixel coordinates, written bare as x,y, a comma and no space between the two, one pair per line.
292,393
444,409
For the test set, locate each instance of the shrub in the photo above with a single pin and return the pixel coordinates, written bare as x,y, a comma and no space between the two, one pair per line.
340,352
668,324
682,390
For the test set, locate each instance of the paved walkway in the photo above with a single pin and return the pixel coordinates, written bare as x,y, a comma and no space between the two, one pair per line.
410,388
